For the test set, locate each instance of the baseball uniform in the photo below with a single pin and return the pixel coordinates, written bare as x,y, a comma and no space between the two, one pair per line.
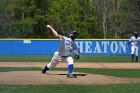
64,53
134,40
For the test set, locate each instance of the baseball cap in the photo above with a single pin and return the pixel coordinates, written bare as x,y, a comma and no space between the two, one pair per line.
135,32
73,32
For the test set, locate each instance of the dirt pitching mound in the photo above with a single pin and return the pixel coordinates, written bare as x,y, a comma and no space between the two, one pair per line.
59,77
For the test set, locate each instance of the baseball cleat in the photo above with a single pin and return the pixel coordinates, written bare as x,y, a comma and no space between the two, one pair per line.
43,71
71,76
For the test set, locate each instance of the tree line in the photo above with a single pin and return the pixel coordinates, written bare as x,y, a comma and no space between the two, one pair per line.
90,18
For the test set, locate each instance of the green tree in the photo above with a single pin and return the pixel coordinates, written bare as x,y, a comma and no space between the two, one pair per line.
27,18
65,15
90,18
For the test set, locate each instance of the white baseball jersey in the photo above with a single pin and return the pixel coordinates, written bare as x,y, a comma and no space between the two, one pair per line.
67,46
134,41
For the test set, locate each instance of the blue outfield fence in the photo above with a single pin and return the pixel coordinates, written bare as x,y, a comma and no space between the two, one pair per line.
48,47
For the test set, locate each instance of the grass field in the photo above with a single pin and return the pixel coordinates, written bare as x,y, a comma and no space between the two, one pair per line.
109,88
123,88
130,73
47,58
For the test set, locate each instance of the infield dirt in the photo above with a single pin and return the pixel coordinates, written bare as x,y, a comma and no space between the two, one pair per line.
60,77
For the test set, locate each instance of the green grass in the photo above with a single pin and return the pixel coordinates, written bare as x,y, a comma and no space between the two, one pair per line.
93,58
110,72
7,69
25,58
47,58
130,73
111,88
117,88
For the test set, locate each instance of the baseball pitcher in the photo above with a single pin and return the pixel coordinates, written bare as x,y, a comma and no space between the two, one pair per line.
65,52
134,40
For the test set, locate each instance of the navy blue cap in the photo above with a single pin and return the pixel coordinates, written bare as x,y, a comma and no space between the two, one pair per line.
135,33
73,32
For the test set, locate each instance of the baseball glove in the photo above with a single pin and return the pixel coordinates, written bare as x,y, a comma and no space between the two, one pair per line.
76,54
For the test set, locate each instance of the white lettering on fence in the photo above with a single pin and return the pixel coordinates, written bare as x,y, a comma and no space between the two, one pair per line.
99,47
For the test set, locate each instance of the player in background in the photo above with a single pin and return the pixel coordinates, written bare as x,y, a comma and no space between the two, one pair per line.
134,41
64,53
